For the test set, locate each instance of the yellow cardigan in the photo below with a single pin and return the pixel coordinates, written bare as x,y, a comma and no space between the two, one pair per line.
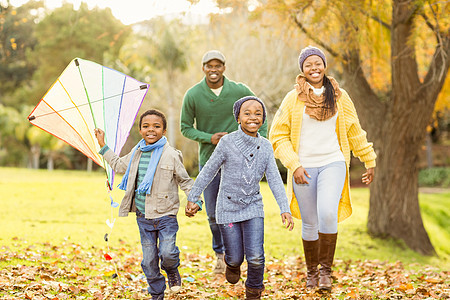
285,135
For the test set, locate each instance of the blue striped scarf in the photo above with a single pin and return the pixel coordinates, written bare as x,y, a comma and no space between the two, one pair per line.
146,184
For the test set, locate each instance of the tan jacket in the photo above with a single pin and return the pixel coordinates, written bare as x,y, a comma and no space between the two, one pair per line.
170,173
285,136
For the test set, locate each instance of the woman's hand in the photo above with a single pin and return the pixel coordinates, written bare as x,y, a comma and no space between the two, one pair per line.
300,176
100,135
191,209
287,220
367,177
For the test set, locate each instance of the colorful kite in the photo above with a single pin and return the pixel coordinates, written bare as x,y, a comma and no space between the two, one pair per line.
88,96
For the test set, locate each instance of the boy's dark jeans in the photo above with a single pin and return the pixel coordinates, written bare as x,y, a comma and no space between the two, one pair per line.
165,230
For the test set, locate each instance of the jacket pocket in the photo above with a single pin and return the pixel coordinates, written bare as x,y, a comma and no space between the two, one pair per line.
166,202
167,171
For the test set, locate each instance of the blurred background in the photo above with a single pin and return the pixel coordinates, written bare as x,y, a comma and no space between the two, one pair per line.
394,68
160,43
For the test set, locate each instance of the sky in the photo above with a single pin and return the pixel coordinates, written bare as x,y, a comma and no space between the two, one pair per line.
132,11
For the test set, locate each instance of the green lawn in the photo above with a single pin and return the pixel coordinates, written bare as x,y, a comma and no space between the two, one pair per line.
40,206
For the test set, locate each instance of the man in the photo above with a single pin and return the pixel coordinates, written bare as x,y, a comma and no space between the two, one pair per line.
209,104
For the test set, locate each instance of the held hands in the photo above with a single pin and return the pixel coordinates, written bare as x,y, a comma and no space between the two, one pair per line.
191,209
217,136
287,220
367,177
300,176
100,135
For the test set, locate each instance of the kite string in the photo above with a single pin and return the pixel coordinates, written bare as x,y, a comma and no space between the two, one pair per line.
109,236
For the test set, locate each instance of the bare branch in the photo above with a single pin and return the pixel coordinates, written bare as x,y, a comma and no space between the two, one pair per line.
377,19
314,38
427,21
439,65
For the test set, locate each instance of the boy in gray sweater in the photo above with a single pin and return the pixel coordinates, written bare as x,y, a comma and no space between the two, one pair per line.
244,157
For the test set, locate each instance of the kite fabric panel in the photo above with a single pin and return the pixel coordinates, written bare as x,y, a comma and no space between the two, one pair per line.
88,96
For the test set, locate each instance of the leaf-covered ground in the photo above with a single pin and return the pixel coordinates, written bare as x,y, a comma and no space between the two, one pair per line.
69,271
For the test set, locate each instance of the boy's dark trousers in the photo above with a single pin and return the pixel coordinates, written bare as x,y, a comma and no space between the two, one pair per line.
165,230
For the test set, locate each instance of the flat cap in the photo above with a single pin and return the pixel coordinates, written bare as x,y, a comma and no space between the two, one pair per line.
213,54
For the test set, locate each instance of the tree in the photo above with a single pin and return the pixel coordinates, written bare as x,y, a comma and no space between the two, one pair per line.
171,57
394,95
167,54
66,33
41,141
249,43
17,26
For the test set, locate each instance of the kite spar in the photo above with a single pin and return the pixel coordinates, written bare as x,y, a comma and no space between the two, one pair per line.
88,96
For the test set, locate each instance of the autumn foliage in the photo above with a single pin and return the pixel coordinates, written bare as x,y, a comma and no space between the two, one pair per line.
69,271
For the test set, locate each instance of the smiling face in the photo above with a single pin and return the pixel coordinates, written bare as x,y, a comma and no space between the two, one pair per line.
213,70
251,117
314,70
152,128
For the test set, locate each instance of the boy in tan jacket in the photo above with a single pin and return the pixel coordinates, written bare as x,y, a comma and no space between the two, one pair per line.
153,171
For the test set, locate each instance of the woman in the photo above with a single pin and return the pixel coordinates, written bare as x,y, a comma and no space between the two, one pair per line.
312,134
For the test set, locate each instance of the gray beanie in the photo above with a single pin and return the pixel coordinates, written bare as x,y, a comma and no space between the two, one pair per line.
237,106
307,52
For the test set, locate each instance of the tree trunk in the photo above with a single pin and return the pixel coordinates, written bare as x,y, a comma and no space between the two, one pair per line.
171,124
89,165
35,154
394,203
170,110
429,144
50,161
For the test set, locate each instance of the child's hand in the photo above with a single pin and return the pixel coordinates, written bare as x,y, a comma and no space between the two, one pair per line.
287,220
191,209
100,135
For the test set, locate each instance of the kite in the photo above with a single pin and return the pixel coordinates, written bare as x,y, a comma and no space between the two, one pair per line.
88,96
84,97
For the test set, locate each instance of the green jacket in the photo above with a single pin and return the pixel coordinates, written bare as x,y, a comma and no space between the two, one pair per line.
211,114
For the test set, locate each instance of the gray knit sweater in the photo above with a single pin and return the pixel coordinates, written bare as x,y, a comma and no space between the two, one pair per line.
244,160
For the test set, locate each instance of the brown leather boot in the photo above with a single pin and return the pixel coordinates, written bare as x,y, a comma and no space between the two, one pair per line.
232,274
311,249
253,294
327,246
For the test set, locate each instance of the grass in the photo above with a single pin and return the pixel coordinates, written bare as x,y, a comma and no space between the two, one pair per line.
40,206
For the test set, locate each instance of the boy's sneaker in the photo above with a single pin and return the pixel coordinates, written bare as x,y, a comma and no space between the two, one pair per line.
174,281
220,264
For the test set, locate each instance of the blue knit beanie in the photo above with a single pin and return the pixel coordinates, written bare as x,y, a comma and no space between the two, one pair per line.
307,52
237,106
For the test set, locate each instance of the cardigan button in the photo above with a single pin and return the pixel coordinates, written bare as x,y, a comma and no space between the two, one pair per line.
229,197
251,155
257,147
